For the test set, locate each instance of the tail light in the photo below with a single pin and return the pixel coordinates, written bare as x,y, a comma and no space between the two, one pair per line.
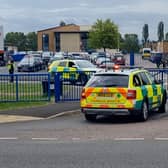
83,95
116,67
131,94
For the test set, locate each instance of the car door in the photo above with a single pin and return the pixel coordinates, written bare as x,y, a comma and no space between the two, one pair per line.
148,90
157,90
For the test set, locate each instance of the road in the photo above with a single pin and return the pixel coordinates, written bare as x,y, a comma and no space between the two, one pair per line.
71,141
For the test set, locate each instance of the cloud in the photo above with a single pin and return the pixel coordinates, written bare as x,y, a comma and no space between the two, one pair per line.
130,15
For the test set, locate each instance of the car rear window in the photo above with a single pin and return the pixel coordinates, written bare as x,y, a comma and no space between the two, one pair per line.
108,80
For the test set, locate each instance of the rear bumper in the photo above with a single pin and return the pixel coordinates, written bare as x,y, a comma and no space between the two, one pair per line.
98,111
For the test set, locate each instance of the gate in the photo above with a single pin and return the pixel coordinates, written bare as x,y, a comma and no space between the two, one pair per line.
68,85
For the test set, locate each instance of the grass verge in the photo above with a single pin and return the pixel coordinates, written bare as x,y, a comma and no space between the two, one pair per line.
21,105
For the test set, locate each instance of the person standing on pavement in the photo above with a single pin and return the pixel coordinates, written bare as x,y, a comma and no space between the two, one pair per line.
11,70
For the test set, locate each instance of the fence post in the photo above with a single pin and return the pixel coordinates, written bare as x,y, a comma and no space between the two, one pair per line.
57,86
49,91
17,88
131,58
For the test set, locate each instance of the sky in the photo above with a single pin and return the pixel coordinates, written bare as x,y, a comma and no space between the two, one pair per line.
129,15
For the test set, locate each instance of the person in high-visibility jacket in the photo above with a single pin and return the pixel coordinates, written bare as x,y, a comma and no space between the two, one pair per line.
11,70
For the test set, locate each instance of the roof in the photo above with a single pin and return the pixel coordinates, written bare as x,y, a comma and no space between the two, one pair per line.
68,28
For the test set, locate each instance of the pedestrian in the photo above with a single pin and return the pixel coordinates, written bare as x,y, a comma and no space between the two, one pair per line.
11,70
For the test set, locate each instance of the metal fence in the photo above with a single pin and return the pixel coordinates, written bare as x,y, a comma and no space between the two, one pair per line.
65,86
68,85
24,87
69,91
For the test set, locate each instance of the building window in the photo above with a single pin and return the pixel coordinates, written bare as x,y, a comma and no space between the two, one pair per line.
57,42
84,39
45,41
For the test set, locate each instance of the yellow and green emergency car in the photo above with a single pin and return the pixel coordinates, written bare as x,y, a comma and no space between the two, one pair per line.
122,92
73,70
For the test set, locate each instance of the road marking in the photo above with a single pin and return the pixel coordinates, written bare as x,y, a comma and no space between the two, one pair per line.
75,139
46,139
129,139
63,113
161,139
9,138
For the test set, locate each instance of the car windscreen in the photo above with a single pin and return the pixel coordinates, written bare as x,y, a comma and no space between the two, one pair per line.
27,60
85,64
108,80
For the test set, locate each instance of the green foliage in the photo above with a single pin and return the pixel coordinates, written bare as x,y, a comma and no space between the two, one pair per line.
21,41
17,39
104,34
31,41
131,43
166,36
145,33
62,23
161,31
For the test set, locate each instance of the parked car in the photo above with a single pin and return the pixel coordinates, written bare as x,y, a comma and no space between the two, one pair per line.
122,92
55,58
119,59
107,64
46,56
100,60
30,63
156,58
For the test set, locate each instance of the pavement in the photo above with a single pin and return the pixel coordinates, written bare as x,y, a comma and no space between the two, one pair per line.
38,113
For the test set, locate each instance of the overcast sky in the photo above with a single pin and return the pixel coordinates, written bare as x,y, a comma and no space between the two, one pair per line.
129,15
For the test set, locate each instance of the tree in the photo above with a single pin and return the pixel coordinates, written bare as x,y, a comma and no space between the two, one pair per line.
62,23
161,31
131,43
31,41
166,36
17,39
145,34
104,34
21,41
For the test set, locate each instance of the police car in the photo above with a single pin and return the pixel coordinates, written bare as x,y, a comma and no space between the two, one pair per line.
73,70
122,92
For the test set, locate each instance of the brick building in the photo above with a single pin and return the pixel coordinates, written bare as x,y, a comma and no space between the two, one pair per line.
68,38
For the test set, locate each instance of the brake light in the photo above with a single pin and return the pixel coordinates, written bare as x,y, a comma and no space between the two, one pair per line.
131,94
83,95
116,67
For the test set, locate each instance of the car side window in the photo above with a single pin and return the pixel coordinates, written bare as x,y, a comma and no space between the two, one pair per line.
136,80
62,63
145,79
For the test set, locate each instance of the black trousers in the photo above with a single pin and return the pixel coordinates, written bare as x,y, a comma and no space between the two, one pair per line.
11,76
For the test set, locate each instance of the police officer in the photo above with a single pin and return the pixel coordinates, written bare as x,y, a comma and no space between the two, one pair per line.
11,70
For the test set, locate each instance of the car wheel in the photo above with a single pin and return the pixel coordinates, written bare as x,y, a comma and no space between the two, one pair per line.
90,117
162,108
144,111
83,79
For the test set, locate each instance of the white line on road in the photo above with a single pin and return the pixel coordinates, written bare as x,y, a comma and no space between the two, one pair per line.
128,139
9,138
46,139
161,139
75,139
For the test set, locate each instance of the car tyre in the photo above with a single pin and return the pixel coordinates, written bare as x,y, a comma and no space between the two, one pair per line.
144,111
90,117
